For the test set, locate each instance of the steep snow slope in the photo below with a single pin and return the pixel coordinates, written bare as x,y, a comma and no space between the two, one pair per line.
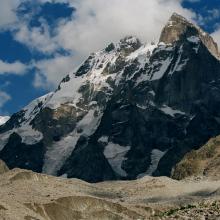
3,119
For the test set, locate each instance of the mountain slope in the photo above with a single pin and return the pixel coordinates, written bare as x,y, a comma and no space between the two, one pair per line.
130,110
202,162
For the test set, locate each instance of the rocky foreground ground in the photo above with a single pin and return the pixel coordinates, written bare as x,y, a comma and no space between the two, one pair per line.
31,196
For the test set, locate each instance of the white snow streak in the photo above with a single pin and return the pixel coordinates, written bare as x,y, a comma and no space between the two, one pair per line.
60,151
169,111
115,154
156,156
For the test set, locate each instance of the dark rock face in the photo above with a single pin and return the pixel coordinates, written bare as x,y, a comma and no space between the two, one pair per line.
130,110
18,154
98,168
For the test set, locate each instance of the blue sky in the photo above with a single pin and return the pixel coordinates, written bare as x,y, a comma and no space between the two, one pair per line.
43,40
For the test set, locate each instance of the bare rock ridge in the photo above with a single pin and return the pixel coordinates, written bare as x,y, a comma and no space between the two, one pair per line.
178,26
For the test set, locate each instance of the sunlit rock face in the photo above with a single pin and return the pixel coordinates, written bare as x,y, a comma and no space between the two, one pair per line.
130,110
178,28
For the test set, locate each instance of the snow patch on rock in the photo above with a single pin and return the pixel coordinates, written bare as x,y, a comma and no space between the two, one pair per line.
57,154
103,139
32,109
193,39
69,91
115,154
156,156
161,69
169,111
29,135
3,119
142,54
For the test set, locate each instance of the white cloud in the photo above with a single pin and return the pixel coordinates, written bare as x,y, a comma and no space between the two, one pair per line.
95,24
214,13
98,22
50,72
17,68
4,97
37,38
7,12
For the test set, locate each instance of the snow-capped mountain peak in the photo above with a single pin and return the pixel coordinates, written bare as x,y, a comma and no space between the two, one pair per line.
131,109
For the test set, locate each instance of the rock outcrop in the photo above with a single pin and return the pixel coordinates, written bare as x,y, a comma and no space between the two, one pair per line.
202,162
179,28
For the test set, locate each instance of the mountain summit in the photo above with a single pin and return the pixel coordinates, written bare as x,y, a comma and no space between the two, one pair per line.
130,110
179,28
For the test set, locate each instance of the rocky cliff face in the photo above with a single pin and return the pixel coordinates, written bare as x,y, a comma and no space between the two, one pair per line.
178,27
130,110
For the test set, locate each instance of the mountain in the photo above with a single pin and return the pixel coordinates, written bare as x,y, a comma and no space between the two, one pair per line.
130,110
